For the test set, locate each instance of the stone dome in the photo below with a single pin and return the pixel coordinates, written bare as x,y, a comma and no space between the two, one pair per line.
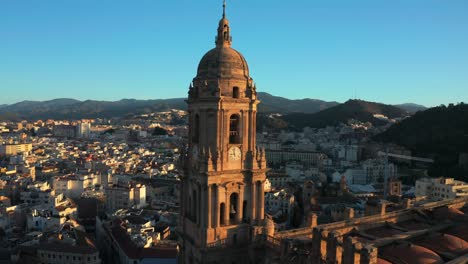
223,62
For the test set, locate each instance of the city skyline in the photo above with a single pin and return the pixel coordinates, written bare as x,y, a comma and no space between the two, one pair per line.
398,52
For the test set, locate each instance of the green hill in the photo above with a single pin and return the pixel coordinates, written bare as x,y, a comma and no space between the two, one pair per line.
352,109
439,132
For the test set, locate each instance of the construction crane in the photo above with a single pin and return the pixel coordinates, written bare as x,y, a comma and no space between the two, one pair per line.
397,156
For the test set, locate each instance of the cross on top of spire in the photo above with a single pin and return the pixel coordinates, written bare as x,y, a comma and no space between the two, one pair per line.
223,39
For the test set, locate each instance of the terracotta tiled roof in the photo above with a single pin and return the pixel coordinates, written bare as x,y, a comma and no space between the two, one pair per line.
413,254
453,214
382,261
460,231
445,243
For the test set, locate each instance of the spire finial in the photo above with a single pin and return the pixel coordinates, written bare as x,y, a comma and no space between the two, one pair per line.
223,38
224,8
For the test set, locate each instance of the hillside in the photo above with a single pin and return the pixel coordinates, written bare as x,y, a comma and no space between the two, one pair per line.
276,104
352,109
74,109
412,108
439,132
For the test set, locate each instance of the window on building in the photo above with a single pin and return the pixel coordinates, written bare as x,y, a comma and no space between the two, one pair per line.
234,129
221,213
234,210
235,92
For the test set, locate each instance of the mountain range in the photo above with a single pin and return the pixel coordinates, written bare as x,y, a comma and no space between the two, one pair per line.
352,109
65,108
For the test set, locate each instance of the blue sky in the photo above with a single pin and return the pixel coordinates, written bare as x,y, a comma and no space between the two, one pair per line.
391,51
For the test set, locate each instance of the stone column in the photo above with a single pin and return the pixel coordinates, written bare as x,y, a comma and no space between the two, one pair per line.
261,202
333,247
253,202
369,255
216,206
348,213
382,208
316,237
323,245
352,251
254,130
243,131
312,220
250,129
240,205
227,208
209,211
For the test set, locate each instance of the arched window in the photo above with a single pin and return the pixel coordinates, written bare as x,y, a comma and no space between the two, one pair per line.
234,210
196,129
234,129
235,92
221,213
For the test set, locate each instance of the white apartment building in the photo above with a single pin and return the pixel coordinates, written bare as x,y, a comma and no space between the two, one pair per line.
14,149
125,196
74,185
83,130
280,203
441,188
375,170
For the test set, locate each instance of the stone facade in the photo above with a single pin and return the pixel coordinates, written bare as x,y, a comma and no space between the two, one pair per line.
434,231
222,201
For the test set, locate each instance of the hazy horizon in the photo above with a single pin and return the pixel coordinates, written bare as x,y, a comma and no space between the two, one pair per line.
169,98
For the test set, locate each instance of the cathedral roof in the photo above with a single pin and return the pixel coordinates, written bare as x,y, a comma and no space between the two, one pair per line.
445,243
410,254
223,62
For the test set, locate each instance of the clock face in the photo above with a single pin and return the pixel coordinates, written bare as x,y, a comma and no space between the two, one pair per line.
234,153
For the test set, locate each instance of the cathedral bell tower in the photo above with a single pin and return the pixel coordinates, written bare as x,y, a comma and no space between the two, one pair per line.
222,196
